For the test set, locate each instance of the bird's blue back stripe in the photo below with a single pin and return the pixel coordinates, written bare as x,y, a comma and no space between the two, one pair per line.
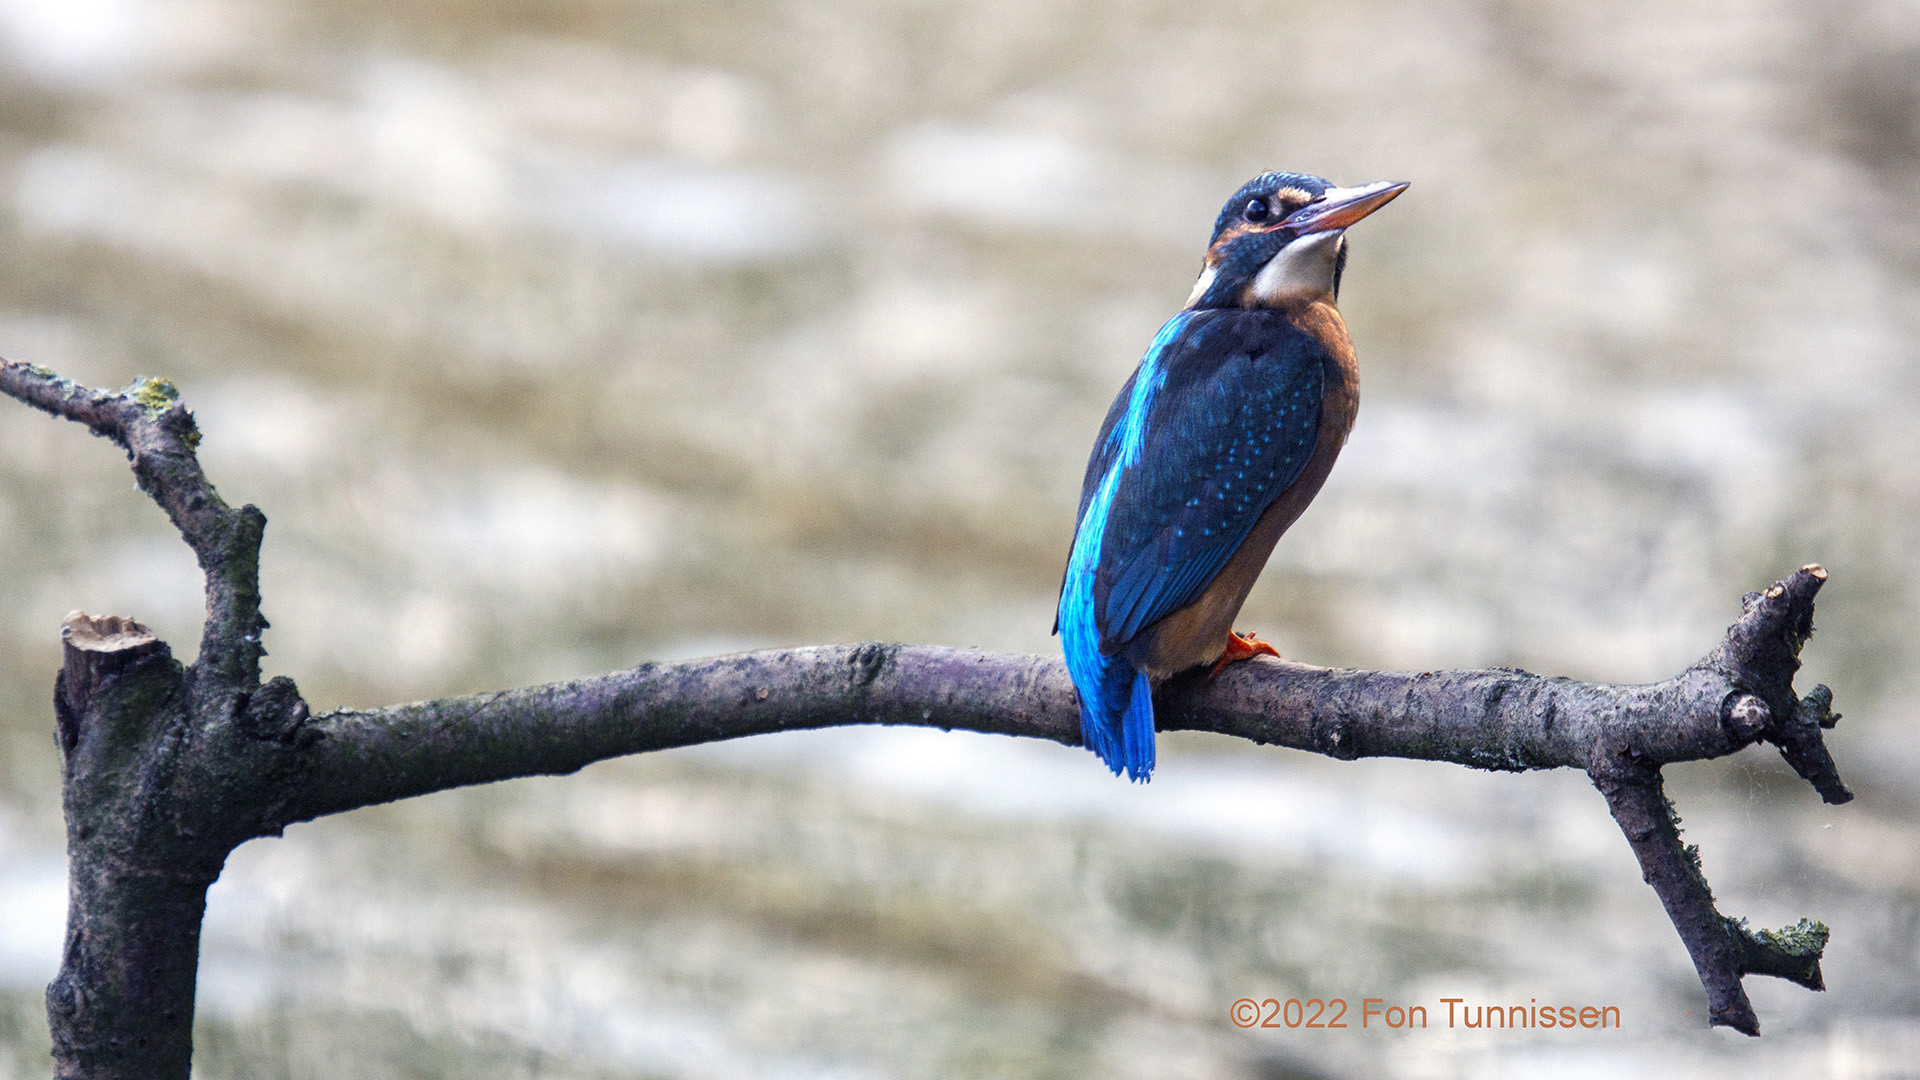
1110,690
1131,431
1145,385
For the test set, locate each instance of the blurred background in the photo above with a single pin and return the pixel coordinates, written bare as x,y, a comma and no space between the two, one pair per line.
559,335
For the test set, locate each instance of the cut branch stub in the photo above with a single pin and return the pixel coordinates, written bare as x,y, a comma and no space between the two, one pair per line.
1792,953
95,650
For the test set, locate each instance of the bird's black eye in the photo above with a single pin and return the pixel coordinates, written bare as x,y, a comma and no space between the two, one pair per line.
1257,210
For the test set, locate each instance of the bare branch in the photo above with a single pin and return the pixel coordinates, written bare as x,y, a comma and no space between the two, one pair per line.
1494,719
167,769
404,750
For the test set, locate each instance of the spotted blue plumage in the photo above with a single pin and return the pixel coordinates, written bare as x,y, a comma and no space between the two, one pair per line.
1218,420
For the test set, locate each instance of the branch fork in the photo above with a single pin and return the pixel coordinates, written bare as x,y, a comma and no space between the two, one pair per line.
167,767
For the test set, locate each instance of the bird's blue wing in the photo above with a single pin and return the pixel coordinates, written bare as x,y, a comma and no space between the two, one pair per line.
1231,426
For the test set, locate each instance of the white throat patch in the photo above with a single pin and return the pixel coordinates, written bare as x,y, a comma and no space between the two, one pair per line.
1303,270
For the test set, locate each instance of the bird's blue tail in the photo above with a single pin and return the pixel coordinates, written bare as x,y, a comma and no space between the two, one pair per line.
1116,716
1116,702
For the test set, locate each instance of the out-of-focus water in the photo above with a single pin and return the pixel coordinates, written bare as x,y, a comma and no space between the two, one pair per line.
552,337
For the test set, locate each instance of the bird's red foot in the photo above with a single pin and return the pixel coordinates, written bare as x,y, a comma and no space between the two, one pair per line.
1241,648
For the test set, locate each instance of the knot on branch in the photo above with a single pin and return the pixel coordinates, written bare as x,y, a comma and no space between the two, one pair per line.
161,400
277,713
1745,718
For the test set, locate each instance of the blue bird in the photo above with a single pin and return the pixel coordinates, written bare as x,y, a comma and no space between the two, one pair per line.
1214,446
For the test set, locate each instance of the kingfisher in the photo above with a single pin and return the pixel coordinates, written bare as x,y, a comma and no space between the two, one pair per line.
1218,441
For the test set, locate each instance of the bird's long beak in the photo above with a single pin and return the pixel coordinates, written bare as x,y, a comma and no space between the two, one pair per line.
1342,206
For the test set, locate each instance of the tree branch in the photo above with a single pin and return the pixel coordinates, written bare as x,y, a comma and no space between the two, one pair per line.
149,422
167,769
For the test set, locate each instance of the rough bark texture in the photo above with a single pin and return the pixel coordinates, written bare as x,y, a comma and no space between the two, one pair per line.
130,909
169,768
